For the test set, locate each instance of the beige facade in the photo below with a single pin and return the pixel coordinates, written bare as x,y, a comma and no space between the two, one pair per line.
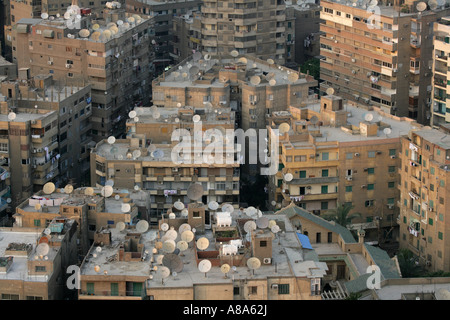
341,158
29,276
424,191
116,67
384,60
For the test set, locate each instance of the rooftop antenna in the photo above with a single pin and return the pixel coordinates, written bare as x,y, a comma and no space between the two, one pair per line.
173,262
202,243
120,226
89,191
142,226
164,226
165,272
182,246
195,191
225,268
169,246
253,263
49,187
204,266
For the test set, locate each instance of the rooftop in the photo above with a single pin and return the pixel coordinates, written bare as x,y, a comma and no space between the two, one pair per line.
26,116
434,136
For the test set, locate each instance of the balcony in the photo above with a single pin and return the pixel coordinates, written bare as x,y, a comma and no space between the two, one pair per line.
319,180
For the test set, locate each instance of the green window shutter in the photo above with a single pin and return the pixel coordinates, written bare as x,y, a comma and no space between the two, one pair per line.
90,288
324,205
114,289
371,171
37,222
137,289
430,221
325,173
370,186
303,174
324,189
348,188
391,184
440,235
404,219
325,155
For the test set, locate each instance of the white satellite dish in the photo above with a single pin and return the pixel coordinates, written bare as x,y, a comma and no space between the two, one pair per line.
132,114
196,118
44,15
187,236
68,189
184,212
178,205
107,191
195,191
253,263
272,82
270,61
227,207
164,226
89,191
275,229
234,53
387,131
225,268
171,234
126,207
111,139
172,215
98,249
182,245
368,117
207,57
249,226
262,223
84,33
184,227
42,249
202,243
284,127
142,226
120,225
169,246
213,205
204,266
255,80
288,177
47,231
66,15
330,91
11,116
293,77
164,271
421,6
49,187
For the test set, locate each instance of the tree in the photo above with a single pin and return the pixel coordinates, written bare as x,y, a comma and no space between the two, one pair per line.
342,215
313,66
408,265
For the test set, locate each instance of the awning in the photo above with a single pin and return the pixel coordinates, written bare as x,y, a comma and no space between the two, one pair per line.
48,33
22,28
304,240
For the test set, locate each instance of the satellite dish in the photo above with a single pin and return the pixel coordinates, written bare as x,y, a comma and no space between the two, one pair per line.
164,271
132,114
98,249
44,15
89,191
187,236
97,268
11,116
262,223
42,249
172,215
194,70
84,33
156,115
66,16
169,246
293,77
107,191
243,60
164,226
136,153
157,154
142,226
275,229
249,226
173,262
207,57
253,263
202,243
37,206
68,189
184,227
234,53
255,80
330,91
314,119
120,226
110,183
197,56
284,127
182,245
272,82
288,177
47,231
178,205
204,266
184,212
196,118
111,139
368,117
272,223
95,27
126,207
195,191
270,61
171,234
421,6
227,207
387,131
213,205
49,187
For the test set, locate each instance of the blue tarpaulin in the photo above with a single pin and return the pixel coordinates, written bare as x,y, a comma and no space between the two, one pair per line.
304,240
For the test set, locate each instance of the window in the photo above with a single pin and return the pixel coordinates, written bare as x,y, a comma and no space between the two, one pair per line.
390,200
114,289
391,169
302,174
37,222
432,170
324,205
430,239
430,221
318,237
283,288
315,286
7,296
368,203
263,243
40,269
236,290
392,152
441,217
348,188
371,154
370,186
325,173
253,290
90,288
330,237
349,155
325,155
34,298
371,170
440,235
324,189
391,184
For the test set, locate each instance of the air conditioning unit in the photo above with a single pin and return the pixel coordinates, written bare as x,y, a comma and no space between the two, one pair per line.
174,169
393,157
430,209
252,103
349,178
357,154
274,286
363,186
267,260
68,66
50,62
366,169
394,70
308,187
379,152
390,206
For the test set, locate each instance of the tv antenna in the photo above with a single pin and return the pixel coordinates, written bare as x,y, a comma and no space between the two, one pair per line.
204,266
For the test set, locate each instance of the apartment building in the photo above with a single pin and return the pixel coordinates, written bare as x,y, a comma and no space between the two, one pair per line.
73,108
161,15
424,192
347,258
136,260
382,59
113,59
440,112
304,42
251,86
187,36
30,130
256,28
336,153
87,206
136,163
34,263
8,70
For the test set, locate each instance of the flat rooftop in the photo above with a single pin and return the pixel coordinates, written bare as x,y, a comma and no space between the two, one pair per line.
434,136
26,116
289,259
